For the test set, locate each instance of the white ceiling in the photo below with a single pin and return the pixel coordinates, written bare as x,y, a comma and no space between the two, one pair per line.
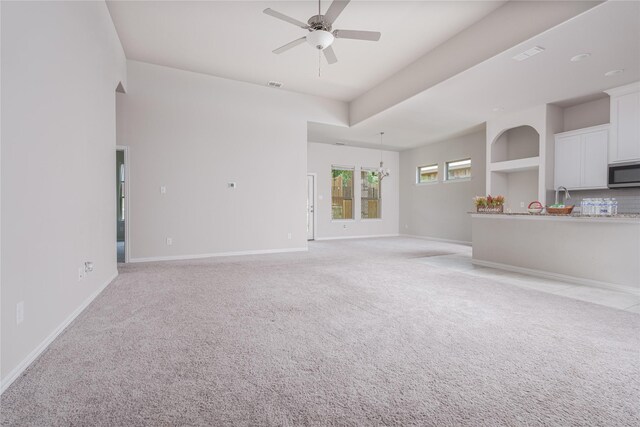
234,39
610,32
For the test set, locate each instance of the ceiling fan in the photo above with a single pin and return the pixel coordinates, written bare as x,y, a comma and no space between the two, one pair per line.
320,34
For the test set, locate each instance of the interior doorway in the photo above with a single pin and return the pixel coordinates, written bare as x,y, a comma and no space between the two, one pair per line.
122,205
311,204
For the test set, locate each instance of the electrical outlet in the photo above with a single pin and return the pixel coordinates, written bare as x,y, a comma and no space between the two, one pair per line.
19,312
522,204
81,273
231,185
169,241
289,236
163,190
406,226
344,226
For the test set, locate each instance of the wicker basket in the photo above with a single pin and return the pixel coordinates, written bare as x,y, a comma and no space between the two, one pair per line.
560,211
490,209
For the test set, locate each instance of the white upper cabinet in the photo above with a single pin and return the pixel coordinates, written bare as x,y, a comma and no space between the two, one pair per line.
581,158
624,145
594,159
568,161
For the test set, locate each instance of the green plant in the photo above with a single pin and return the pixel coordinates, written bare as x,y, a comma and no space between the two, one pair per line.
346,175
489,201
498,200
480,201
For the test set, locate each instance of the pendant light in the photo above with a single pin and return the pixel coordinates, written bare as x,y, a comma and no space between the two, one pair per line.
382,172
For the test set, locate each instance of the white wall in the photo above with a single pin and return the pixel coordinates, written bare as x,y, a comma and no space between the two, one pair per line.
194,133
587,114
521,189
61,63
320,158
440,210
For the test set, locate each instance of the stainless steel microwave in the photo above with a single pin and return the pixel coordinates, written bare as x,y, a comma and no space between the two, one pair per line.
624,175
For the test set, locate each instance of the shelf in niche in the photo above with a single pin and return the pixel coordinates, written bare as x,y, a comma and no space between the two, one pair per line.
529,163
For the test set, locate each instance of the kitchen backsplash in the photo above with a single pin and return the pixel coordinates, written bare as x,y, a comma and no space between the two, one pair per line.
628,198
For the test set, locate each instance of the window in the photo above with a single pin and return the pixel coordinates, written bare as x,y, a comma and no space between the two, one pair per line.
460,169
370,198
341,193
428,174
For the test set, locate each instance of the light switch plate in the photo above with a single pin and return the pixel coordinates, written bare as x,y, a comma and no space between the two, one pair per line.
163,190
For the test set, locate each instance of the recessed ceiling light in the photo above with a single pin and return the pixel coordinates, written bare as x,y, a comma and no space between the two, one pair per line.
580,57
613,73
528,53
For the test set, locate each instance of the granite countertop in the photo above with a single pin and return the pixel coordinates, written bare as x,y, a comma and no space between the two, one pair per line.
577,216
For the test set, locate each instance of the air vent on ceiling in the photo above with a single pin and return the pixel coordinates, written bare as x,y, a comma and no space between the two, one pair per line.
339,143
274,84
528,53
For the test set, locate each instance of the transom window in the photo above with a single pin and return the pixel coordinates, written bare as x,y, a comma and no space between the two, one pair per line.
428,173
459,169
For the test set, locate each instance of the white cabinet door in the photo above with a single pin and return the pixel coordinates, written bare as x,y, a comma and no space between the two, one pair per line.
594,159
624,145
568,164
628,127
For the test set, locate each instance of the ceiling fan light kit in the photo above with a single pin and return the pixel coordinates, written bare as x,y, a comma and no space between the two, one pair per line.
320,39
320,35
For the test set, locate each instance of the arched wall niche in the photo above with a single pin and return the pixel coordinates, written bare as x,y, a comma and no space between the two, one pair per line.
519,142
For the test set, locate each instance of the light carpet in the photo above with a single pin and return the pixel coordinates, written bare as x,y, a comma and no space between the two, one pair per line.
355,332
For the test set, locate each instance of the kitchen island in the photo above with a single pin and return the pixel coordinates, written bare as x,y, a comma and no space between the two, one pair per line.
599,251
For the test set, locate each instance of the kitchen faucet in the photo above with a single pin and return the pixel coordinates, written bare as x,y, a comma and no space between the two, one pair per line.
566,194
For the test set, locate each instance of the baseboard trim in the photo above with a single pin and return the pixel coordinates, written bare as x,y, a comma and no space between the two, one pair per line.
557,276
26,362
217,254
438,239
369,236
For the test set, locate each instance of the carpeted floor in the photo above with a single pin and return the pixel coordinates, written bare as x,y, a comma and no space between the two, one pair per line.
356,332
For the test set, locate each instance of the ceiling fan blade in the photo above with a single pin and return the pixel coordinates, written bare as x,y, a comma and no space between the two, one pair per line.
335,10
285,18
330,55
290,45
373,36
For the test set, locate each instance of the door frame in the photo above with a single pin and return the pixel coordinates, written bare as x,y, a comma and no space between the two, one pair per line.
315,200
127,193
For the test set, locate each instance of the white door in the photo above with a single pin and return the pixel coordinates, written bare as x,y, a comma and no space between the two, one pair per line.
311,202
